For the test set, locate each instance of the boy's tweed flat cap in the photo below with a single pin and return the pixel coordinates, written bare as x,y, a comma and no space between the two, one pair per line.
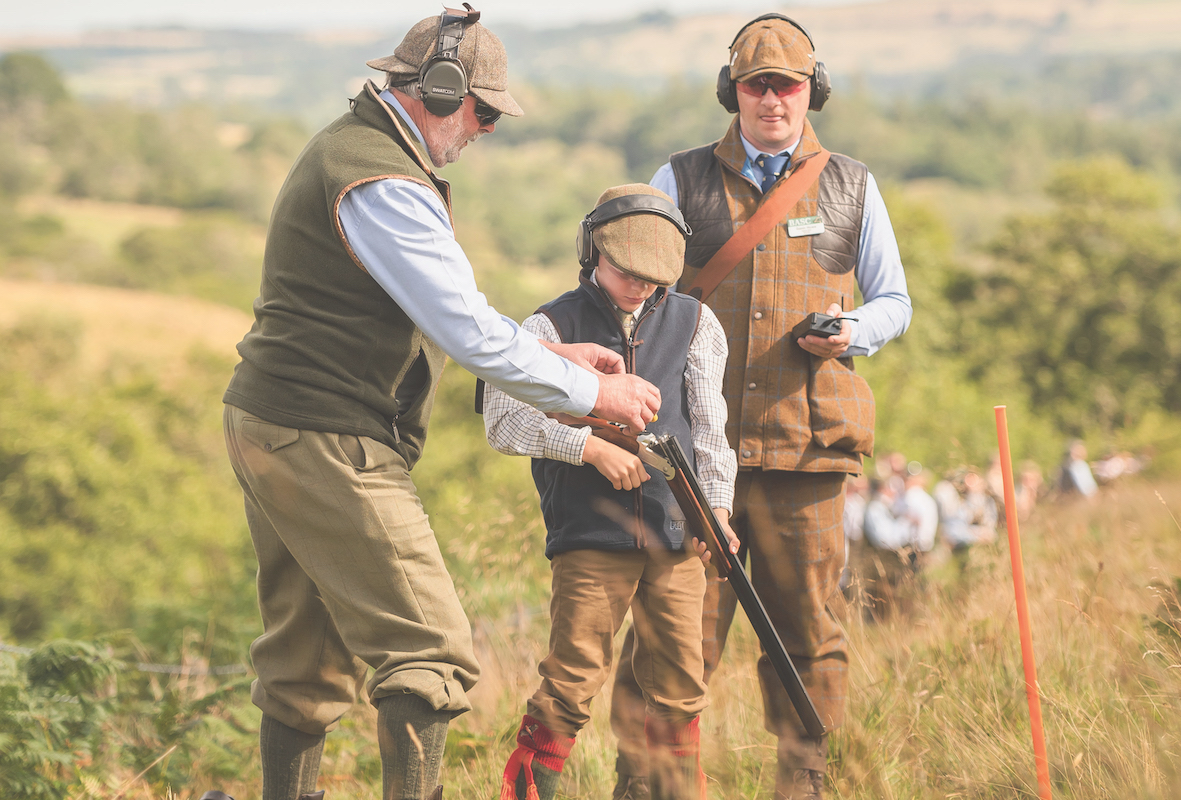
645,245
481,53
772,45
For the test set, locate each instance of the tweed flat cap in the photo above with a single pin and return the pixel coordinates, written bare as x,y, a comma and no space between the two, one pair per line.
772,45
480,51
642,244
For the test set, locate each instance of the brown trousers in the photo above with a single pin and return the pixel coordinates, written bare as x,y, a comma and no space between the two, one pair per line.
791,524
592,591
349,577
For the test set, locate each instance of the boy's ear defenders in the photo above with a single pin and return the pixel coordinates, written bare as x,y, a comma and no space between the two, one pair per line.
622,207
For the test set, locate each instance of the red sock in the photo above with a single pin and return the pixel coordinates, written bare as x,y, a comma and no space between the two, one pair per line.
677,750
536,744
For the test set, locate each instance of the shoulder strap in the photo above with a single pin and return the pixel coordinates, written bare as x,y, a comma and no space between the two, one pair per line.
776,205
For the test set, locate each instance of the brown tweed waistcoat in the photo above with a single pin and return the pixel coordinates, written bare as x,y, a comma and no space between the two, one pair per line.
788,410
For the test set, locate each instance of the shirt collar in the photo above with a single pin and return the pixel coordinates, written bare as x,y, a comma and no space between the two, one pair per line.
389,97
753,152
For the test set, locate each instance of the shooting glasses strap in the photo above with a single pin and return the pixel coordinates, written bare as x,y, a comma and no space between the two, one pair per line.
775,207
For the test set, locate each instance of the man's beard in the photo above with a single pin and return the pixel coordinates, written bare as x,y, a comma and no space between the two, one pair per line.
448,139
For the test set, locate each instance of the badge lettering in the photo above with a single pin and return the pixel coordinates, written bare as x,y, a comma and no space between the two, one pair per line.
805,226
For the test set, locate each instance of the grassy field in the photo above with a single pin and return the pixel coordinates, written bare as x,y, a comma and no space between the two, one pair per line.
937,703
128,329
937,706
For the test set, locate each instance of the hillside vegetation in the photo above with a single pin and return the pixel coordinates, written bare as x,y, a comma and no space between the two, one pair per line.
1041,249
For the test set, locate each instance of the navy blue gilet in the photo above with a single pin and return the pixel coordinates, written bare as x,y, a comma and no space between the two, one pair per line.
581,509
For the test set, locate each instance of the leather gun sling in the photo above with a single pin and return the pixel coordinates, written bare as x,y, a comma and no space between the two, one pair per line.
774,208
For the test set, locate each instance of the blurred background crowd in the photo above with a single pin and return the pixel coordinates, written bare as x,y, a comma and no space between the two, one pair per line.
900,521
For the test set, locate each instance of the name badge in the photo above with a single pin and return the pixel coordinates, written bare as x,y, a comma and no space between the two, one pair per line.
805,226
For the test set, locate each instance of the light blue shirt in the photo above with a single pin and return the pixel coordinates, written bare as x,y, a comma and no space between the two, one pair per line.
886,312
402,233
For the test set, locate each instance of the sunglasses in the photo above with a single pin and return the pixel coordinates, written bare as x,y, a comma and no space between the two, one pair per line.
782,86
486,114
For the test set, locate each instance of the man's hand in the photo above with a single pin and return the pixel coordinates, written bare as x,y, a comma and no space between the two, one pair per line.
833,346
628,399
623,469
724,520
590,356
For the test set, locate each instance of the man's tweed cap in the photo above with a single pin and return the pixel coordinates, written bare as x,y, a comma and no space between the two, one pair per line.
645,245
481,53
772,45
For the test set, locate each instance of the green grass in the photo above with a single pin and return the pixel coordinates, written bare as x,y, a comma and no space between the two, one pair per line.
937,700
937,704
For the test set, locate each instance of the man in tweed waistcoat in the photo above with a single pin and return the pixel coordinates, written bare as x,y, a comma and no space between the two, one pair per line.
799,416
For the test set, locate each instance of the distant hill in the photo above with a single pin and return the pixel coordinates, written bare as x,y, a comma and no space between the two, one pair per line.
897,46
121,326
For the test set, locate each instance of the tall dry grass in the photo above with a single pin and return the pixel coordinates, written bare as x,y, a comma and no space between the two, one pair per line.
937,705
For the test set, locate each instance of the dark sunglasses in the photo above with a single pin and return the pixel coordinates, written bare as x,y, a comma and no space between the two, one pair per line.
781,85
486,114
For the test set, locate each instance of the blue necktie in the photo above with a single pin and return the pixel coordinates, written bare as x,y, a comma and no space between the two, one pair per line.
772,167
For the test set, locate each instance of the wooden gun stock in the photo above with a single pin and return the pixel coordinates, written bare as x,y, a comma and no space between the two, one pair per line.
609,431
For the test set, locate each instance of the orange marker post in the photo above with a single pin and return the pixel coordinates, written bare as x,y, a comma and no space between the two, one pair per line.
1031,691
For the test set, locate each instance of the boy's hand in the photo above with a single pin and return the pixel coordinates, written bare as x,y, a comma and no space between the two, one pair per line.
624,470
731,538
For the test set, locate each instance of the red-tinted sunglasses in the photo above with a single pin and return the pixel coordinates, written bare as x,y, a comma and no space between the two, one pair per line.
486,114
781,85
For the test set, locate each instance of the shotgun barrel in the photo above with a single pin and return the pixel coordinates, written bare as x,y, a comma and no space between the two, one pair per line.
665,454
705,526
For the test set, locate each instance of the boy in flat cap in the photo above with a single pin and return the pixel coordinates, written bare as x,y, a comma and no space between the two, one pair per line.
616,539
364,294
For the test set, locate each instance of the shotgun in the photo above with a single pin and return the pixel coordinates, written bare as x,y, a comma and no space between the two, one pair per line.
664,453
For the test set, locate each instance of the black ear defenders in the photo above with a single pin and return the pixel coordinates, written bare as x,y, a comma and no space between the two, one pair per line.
622,207
442,80
821,85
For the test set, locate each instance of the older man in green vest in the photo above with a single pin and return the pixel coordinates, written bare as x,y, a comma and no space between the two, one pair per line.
364,293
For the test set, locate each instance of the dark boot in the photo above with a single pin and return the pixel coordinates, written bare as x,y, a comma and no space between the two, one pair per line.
631,787
535,767
799,774
798,784
674,760
411,735
290,760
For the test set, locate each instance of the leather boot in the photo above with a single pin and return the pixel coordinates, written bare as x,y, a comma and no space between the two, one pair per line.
799,784
290,760
631,787
799,774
